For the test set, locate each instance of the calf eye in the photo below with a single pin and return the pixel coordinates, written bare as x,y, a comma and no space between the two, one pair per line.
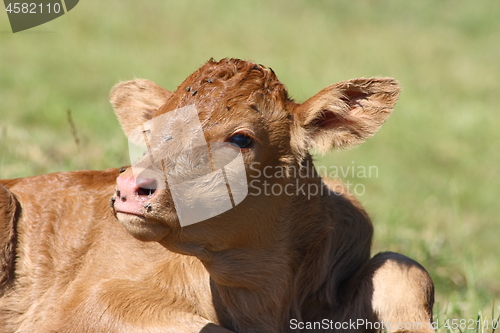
241,140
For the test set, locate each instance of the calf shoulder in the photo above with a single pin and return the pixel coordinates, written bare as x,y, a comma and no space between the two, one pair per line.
51,223
75,262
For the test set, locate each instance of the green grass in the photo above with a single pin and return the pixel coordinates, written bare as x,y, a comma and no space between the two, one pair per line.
435,197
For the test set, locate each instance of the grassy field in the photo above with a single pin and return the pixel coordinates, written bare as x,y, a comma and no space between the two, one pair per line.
435,195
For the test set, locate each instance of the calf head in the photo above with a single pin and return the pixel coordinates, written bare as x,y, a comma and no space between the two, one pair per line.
225,124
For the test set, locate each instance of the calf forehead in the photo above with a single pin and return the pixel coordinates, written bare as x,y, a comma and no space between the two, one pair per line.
229,84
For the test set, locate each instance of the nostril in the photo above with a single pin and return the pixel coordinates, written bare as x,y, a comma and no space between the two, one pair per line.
146,186
145,191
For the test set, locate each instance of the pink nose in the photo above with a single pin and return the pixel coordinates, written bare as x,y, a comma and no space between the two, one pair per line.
132,194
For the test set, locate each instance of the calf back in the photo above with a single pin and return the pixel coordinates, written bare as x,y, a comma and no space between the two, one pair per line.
69,244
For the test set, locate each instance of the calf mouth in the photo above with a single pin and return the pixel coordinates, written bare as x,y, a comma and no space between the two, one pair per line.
143,228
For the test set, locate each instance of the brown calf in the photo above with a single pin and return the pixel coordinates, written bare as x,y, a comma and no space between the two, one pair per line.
296,261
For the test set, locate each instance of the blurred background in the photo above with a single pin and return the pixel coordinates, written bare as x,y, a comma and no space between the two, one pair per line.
435,194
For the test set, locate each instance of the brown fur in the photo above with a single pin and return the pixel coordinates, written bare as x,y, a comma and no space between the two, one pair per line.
9,212
269,260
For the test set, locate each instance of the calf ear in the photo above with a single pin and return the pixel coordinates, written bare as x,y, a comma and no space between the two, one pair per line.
136,101
346,113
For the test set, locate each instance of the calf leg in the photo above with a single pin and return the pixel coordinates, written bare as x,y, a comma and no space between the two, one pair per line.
127,306
402,293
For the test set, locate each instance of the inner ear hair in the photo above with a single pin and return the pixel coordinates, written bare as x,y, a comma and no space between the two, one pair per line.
347,113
